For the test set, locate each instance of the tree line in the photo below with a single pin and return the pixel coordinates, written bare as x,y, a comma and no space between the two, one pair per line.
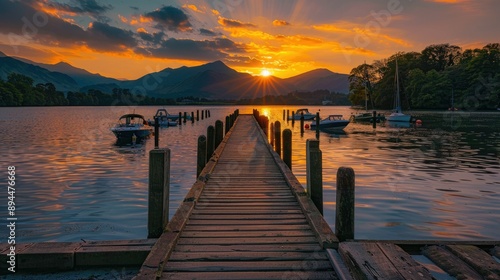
18,90
432,79
299,98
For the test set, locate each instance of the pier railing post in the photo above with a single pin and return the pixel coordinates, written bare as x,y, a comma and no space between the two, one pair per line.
374,119
314,173
344,213
301,123
287,147
197,115
180,118
317,125
277,137
219,132
201,154
157,132
158,189
271,138
192,117
210,141
185,117
227,125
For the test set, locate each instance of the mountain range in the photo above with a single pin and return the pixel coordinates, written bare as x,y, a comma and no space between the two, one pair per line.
213,80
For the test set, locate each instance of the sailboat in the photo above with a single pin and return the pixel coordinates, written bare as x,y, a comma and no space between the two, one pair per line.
397,114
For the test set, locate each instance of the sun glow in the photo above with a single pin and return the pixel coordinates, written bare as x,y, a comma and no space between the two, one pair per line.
265,73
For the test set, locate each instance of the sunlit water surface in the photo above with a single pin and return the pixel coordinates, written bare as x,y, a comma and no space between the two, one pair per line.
440,180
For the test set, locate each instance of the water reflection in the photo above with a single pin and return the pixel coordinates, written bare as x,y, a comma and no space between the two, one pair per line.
438,180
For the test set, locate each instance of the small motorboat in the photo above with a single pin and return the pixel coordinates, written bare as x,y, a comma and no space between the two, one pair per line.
367,117
132,126
332,122
164,119
307,115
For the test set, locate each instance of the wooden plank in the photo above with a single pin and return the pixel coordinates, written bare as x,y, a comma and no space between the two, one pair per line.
204,234
339,266
245,266
246,256
48,256
248,222
403,262
248,211
246,227
247,240
111,255
367,261
249,248
478,259
292,274
450,263
230,216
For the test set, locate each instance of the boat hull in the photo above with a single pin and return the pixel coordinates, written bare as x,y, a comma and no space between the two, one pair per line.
367,117
334,125
128,134
399,118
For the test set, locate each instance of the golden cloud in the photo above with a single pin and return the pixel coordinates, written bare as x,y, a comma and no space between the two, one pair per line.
277,22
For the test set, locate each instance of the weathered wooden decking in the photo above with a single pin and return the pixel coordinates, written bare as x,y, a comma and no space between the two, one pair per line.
249,221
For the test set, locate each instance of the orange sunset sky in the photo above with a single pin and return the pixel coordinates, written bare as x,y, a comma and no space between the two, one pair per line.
127,39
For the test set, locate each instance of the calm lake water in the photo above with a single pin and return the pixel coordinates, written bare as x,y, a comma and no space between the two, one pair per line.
440,180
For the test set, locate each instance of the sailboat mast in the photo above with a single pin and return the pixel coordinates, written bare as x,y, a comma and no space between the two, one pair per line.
397,100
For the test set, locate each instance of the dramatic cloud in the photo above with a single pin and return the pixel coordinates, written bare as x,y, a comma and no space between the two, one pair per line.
192,8
102,36
277,22
154,38
170,18
235,23
90,7
206,32
205,50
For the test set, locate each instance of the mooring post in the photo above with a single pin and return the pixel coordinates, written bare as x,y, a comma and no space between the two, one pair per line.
283,114
185,117
301,123
271,132
317,125
192,117
277,137
202,114
219,132
157,132
374,119
293,118
208,113
287,115
287,147
227,124
180,118
201,154
158,191
197,115
344,213
210,141
314,173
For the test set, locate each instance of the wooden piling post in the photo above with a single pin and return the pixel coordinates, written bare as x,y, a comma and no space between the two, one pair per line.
210,141
314,173
202,154
197,115
185,117
283,114
317,124
301,123
157,132
374,119
344,213
287,115
227,124
192,117
293,118
287,147
180,118
271,138
202,113
208,113
158,191
277,137
219,133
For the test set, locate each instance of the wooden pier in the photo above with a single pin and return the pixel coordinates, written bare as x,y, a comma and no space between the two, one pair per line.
247,217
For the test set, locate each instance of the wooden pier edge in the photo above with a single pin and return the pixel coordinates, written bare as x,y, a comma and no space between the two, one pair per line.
321,229
152,267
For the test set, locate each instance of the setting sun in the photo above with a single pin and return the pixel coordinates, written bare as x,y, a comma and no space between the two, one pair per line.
265,73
